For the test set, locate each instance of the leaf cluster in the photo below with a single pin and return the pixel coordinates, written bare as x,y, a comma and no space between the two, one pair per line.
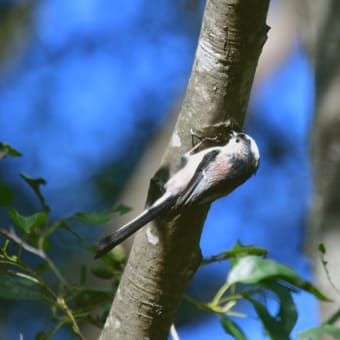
71,303
255,279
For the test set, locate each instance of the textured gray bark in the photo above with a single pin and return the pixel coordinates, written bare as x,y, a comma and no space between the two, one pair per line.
165,255
322,31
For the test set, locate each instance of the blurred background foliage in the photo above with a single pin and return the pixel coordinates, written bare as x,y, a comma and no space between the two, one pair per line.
89,92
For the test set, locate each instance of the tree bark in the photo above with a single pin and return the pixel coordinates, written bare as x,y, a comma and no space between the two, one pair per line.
165,255
322,33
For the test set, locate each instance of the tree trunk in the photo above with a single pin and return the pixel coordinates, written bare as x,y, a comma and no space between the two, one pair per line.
323,37
165,255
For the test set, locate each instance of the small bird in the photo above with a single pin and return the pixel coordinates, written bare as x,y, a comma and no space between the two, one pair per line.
205,176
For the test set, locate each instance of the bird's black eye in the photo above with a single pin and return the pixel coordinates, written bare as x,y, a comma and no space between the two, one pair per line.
237,140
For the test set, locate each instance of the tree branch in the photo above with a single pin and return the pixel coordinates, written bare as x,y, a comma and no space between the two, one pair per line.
165,255
36,251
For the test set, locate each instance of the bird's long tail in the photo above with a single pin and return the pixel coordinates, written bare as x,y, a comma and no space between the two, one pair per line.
108,242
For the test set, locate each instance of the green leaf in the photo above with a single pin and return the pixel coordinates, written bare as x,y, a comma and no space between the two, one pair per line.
323,251
271,325
91,298
118,255
333,318
122,209
322,248
91,218
317,332
3,249
115,257
61,224
41,336
237,251
6,149
232,328
6,194
83,274
111,264
254,270
102,271
41,268
18,288
35,184
287,314
27,224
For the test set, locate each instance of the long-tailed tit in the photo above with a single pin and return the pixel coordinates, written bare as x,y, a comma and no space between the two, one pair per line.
205,176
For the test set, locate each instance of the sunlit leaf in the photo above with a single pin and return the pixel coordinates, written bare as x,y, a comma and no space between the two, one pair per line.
6,149
35,184
27,224
116,256
6,194
232,328
254,270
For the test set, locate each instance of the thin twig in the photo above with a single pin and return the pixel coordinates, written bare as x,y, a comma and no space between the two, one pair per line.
38,252
227,255
15,238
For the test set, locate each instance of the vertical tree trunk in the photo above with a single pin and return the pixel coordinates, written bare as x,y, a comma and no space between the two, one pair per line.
325,216
165,256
